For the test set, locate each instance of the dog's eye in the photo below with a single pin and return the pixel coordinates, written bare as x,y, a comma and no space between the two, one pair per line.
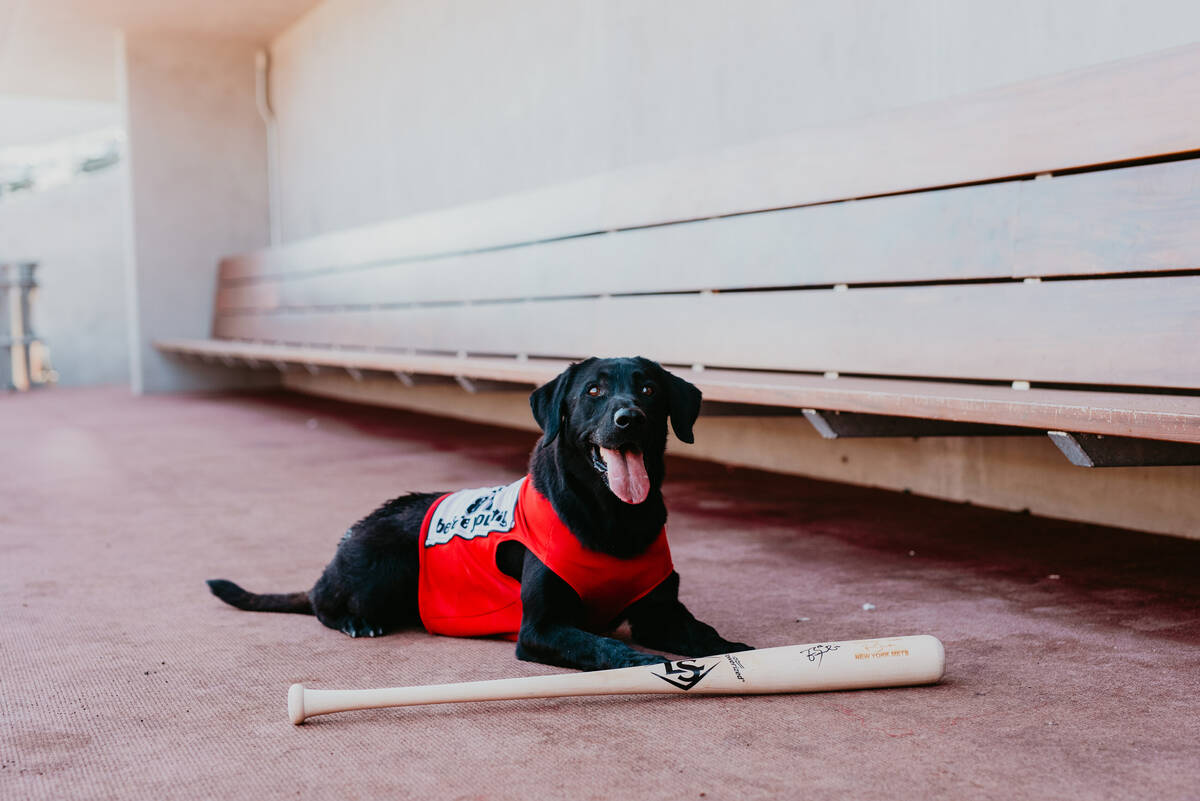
594,390
648,390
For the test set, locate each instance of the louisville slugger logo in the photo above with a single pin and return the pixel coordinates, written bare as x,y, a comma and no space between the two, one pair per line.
685,674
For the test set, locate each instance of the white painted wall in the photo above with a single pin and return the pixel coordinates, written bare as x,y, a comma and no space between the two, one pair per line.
42,120
388,107
199,191
75,233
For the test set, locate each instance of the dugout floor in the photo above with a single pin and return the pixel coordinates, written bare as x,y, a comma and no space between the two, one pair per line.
1073,650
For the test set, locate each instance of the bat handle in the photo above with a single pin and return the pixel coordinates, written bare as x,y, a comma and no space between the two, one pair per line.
296,704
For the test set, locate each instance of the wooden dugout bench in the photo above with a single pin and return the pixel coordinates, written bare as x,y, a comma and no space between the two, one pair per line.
1024,260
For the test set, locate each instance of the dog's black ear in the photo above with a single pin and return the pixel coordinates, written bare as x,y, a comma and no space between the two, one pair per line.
683,404
549,403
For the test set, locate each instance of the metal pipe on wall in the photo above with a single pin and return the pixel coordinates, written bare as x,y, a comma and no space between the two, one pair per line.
262,78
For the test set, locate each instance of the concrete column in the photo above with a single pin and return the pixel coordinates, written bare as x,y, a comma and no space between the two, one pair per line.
198,191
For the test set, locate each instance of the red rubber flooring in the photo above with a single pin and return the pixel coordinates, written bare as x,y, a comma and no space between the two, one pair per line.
1073,650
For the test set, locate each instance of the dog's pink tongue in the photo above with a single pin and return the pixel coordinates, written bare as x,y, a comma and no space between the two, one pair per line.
626,475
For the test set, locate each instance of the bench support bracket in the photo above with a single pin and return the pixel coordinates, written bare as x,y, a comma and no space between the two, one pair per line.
840,425
1098,450
479,385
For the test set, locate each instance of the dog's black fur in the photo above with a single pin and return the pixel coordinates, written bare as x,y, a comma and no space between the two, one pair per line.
370,587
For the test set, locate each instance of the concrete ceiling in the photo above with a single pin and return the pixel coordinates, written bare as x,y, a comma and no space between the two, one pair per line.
66,48
258,20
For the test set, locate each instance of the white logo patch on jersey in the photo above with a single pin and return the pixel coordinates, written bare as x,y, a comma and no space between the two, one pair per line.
474,513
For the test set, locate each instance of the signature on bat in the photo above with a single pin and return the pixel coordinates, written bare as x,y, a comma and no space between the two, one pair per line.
817,652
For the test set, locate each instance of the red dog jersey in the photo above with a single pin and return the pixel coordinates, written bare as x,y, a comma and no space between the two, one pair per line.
461,592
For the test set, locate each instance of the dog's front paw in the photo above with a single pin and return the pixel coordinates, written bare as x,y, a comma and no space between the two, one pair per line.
637,658
357,627
605,654
718,648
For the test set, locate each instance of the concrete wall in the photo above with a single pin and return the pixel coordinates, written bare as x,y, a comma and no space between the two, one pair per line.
75,233
387,107
42,120
199,191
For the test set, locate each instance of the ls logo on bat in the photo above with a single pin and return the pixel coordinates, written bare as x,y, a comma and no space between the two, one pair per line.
684,674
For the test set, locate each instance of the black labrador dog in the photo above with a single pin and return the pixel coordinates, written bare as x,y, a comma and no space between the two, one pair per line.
600,466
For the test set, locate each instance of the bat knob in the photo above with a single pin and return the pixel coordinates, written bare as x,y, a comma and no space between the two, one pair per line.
296,704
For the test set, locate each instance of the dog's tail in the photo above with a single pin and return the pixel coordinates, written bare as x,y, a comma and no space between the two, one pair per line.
232,594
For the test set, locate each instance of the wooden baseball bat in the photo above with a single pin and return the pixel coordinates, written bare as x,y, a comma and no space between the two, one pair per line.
850,665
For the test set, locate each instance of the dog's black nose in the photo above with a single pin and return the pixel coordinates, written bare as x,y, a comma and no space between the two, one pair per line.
629,416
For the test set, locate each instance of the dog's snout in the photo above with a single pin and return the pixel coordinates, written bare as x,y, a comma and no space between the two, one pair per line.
628,417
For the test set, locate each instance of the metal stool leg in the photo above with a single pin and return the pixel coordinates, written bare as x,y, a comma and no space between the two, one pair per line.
6,339
27,284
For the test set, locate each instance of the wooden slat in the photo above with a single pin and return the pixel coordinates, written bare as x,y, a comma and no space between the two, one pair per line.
960,233
1134,108
1164,417
1138,218
1140,331
1111,221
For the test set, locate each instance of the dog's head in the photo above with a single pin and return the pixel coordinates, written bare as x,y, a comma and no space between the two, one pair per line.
609,418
